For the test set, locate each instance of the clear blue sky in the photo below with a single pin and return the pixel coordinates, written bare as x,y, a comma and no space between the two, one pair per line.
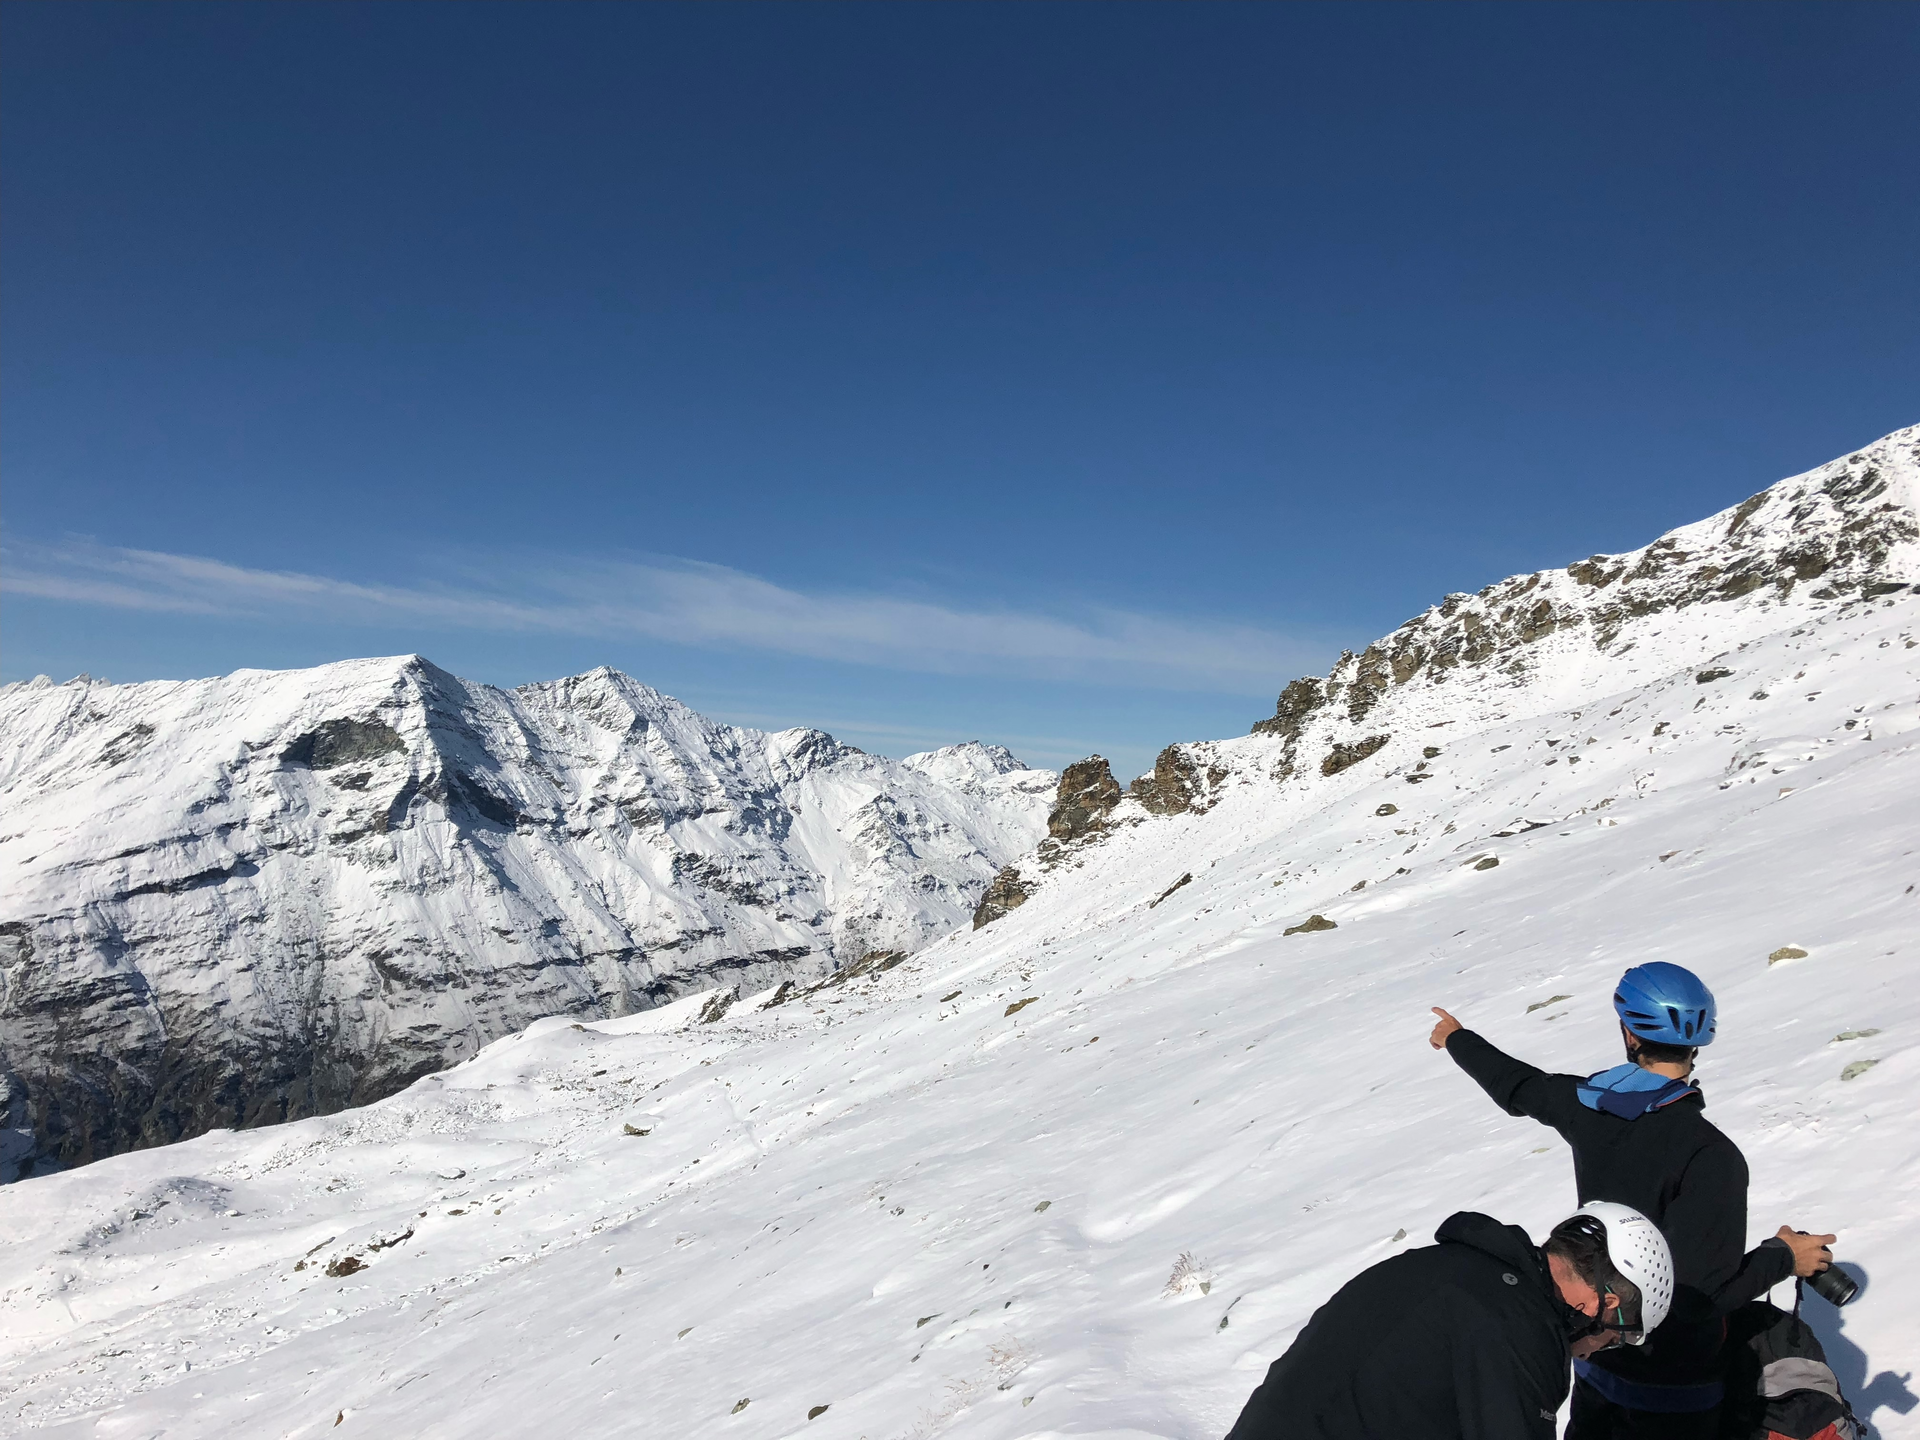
1070,376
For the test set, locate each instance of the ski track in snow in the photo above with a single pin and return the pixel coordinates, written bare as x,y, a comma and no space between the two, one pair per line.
1104,1214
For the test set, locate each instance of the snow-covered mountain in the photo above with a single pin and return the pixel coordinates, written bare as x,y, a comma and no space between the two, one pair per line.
274,894
1085,1168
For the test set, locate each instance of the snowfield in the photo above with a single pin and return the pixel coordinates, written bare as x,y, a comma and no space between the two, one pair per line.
1085,1171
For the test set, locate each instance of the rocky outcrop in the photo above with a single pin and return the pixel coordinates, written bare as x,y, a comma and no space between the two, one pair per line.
1844,532
1345,757
1007,892
1183,780
1296,703
1087,794
234,901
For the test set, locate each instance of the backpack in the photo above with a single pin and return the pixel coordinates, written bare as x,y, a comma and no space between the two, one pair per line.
1779,1386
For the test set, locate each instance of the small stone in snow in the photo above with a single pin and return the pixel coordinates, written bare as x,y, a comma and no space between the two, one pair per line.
1045,1203
1786,952
818,1411
741,1406
1311,924
1857,1069
1491,862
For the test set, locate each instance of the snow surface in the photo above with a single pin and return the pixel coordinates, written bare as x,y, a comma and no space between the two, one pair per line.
1103,1213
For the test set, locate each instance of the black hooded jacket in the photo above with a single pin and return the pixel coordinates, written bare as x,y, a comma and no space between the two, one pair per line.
1674,1167
1463,1340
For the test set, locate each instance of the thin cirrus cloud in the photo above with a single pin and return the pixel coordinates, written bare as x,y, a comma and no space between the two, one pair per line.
687,603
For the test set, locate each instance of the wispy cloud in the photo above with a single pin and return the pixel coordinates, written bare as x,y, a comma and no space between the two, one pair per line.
686,603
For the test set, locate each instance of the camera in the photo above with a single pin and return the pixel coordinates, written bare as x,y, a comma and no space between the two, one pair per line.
1834,1285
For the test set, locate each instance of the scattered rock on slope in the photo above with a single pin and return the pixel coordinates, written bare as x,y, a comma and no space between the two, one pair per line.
1345,757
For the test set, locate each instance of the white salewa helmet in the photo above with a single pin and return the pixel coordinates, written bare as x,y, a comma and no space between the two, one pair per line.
1639,1253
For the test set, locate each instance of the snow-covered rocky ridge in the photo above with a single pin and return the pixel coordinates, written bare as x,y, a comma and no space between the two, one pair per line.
1084,1170
274,894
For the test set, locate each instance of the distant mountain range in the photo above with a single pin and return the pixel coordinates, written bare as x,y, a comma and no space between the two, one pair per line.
274,894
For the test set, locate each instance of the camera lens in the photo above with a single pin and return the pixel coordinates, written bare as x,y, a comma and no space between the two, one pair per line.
1835,1286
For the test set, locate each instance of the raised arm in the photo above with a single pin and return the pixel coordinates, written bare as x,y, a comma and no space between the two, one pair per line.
1515,1086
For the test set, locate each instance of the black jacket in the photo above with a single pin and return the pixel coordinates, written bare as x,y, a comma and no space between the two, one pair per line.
1675,1168
1462,1340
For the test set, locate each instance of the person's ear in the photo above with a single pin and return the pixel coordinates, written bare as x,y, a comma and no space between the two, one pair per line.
1609,1302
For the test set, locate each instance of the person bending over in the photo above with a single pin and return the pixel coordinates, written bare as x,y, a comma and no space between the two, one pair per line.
1640,1137
1468,1338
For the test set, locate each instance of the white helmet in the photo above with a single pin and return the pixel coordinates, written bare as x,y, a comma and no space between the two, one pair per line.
1639,1253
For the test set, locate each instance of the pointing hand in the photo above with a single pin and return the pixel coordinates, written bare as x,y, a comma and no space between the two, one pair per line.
1446,1027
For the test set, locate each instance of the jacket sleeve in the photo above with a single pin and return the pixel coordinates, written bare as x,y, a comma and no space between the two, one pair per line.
1706,1224
1515,1086
1507,1385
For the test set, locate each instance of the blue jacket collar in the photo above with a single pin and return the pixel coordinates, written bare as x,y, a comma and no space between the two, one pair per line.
1630,1092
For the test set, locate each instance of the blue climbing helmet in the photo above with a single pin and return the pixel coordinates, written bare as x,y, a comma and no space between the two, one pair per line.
1667,1004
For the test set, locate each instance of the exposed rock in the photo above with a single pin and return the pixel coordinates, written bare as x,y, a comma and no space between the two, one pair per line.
1186,879
1857,1069
1006,892
1543,1004
1838,524
1388,809
1492,862
635,1130
1785,952
1178,784
1086,796
1309,925
1345,757
1708,676
874,962
717,1006
1298,701
341,742
1017,1006
346,1265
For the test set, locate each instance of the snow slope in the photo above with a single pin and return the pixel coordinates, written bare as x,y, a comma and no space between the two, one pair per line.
275,893
1086,1170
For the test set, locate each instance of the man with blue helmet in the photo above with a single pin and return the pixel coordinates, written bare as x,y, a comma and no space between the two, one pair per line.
1640,1137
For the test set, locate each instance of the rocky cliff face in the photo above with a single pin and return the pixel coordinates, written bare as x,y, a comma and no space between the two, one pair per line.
232,901
1844,535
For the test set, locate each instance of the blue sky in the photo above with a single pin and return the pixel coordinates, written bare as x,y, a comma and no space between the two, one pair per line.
1066,376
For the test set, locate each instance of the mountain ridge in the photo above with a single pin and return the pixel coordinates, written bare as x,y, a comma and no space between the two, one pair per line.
277,892
1087,1167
